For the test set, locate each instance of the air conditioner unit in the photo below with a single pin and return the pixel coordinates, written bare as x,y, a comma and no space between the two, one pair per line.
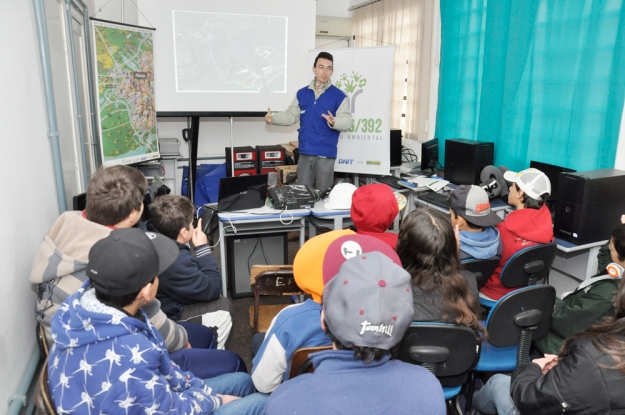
333,26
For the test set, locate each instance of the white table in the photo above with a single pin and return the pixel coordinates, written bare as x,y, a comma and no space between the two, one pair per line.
327,218
257,221
573,264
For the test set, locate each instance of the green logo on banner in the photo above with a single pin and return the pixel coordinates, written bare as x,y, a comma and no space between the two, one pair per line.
352,85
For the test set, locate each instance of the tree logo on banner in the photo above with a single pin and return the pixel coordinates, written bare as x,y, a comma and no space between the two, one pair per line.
352,86
348,85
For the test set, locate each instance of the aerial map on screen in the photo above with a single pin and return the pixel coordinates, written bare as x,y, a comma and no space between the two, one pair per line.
125,67
224,52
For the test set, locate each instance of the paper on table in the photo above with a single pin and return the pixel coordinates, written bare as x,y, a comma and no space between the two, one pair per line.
429,182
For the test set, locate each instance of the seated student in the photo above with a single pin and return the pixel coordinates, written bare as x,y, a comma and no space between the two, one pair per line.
590,303
588,376
114,200
108,357
191,288
528,225
428,250
604,257
297,325
469,207
367,307
374,208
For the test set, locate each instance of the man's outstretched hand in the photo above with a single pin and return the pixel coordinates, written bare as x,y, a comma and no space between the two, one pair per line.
268,116
329,118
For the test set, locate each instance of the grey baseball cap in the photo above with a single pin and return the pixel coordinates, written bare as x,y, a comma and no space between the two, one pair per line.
369,302
532,181
472,203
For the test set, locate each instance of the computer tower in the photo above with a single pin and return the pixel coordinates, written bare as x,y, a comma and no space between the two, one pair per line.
244,251
590,205
244,161
465,160
395,140
269,157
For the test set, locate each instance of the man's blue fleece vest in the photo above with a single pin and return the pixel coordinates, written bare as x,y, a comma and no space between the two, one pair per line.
315,137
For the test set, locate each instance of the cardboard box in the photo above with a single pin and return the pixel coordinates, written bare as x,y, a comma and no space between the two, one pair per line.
288,149
294,143
286,175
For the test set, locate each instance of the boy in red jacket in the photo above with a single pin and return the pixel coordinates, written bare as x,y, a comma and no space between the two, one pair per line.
528,225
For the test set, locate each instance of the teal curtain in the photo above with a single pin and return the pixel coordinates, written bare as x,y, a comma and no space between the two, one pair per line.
542,79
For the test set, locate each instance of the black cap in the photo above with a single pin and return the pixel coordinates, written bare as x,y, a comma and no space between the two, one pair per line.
128,259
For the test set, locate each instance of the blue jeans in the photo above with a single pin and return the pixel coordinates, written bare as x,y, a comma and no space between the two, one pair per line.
238,384
203,360
494,397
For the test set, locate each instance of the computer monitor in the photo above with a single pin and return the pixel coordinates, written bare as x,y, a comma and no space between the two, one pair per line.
553,173
429,155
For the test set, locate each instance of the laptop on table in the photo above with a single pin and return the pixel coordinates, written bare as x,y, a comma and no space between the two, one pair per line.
242,193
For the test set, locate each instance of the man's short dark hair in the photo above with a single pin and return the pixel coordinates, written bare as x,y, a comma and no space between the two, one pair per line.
323,55
113,193
119,301
366,354
469,224
530,202
170,213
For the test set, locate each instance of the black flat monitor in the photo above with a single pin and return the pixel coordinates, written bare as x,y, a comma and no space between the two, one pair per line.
553,173
429,155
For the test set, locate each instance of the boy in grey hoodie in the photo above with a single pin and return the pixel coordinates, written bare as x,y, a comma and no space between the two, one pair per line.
469,207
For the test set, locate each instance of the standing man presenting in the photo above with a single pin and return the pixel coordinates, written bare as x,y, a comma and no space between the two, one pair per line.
323,111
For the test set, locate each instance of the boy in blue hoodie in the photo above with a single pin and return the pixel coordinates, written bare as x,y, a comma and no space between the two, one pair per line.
108,357
469,207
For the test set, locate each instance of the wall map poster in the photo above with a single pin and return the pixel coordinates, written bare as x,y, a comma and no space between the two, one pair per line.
125,76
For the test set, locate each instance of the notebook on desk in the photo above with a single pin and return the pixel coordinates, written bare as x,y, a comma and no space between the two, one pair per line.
242,192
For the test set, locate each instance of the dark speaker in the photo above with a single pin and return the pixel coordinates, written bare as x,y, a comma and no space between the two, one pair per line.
465,159
395,148
590,205
245,251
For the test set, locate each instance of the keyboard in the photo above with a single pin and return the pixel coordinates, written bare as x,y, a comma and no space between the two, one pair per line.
434,198
391,181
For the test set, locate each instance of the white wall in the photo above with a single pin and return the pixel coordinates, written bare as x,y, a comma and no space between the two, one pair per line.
29,205
336,8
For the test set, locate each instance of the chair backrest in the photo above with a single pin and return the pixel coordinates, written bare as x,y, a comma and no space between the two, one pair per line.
481,268
448,351
528,265
271,280
43,398
42,342
301,363
516,310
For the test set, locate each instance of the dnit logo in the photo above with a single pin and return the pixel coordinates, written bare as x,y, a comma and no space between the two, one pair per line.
346,161
352,86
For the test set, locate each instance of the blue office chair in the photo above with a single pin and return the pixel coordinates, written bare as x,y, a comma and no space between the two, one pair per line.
448,351
481,268
516,319
525,268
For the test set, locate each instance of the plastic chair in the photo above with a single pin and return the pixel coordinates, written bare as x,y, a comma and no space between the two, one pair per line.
515,320
301,363
448,351
481,268
43,398
525,268
270,280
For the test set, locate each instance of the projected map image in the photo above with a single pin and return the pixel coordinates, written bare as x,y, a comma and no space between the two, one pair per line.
125,94
221,52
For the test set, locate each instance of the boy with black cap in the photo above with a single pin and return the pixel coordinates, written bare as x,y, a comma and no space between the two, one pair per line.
108,357
528,225
469,207
367,307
